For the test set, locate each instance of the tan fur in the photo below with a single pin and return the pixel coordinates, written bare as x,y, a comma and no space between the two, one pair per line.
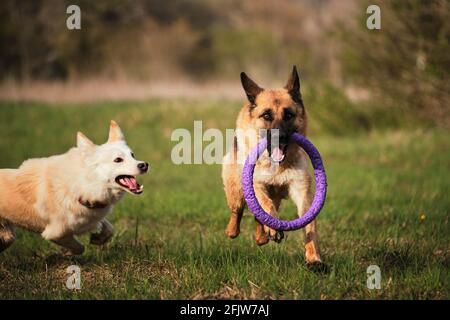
290,178
43,195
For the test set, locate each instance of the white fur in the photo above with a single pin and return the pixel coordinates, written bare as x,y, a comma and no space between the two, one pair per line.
47,191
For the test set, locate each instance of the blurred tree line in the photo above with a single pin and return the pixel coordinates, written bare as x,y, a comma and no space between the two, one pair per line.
155,38
405,65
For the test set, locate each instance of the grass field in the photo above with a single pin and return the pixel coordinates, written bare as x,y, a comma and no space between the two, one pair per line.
388,205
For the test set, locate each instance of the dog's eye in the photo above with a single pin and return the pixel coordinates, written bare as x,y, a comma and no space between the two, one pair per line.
267,116
132,154
118,160
288,115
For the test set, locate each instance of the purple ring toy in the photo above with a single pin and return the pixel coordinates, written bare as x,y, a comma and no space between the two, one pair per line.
319,196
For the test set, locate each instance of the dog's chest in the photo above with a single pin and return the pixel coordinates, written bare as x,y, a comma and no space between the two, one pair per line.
269,173
272,176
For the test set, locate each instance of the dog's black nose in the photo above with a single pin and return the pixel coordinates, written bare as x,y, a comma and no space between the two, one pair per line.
280,137
143,166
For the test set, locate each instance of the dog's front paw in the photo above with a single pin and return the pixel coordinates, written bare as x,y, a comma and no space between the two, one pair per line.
274,235
317,266
232,231
79,250
262,239
104,235
99,239
277,236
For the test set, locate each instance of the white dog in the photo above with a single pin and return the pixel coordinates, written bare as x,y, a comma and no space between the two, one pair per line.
69,194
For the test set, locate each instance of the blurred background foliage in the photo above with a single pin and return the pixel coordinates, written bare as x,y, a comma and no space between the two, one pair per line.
407,64
398,72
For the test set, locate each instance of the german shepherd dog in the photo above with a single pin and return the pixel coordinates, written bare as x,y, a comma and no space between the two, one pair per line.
280,109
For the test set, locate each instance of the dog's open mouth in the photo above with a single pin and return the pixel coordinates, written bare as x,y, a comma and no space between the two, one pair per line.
130,184
277,154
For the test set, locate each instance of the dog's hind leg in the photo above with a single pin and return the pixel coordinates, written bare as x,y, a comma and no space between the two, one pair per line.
55,234
7,235
235,198
71,246
236,203
105,234
275,235
264,233
261,236
300,192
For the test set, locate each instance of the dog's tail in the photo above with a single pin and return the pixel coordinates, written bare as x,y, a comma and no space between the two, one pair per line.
7,234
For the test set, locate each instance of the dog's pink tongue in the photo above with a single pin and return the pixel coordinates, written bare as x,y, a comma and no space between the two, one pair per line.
132,183
277,155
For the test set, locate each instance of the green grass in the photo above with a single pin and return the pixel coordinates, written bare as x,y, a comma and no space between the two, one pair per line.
170,242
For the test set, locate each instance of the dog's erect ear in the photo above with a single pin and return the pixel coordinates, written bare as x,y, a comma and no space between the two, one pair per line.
83,141
115,133
293,86
250,87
